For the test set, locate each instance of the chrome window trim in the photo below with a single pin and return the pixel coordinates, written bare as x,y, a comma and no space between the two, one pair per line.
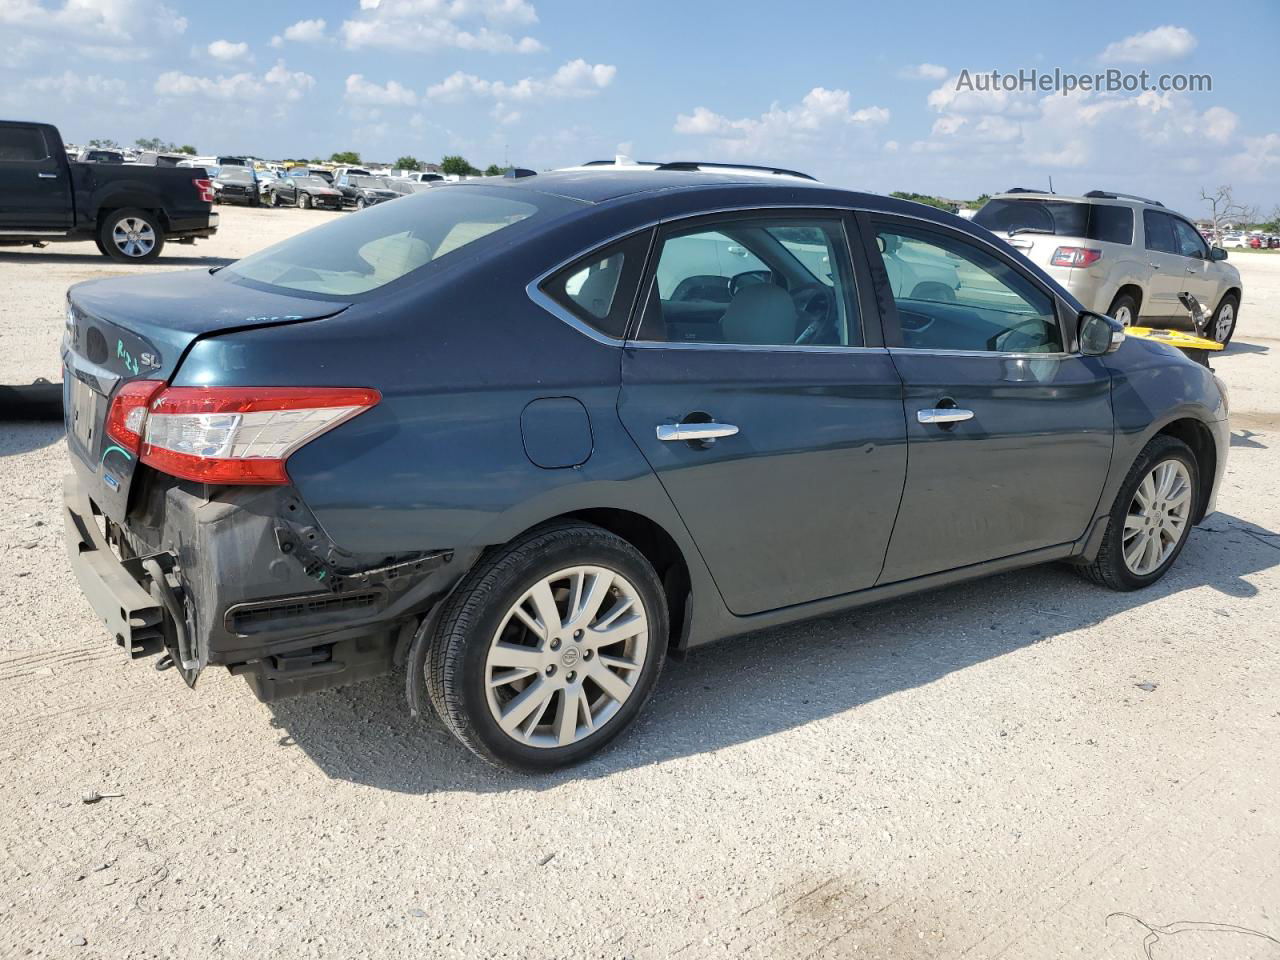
990,354
535,293
749,347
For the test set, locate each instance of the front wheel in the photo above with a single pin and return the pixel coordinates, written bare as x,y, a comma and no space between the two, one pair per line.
1223,325
1150,518
360,203
304,200
131,236
549,647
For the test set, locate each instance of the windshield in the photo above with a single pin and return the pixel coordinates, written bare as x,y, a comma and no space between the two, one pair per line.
358,254
1063,218
371,182
312,181
234,173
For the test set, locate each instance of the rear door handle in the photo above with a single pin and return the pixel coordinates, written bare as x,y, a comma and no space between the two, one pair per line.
695,431
943,415
47,176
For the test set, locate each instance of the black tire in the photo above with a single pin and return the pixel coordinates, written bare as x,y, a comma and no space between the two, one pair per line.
304,200
107,229
455,676
360,203
1229,301
1122,302
1109,569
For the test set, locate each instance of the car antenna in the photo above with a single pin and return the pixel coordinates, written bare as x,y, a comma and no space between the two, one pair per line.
1051,184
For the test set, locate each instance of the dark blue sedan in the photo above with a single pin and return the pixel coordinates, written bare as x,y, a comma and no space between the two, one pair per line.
521,439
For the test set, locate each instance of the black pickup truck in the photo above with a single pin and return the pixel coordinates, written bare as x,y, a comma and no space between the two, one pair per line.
128,210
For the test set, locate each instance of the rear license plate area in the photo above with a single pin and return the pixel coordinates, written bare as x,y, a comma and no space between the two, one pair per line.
83,413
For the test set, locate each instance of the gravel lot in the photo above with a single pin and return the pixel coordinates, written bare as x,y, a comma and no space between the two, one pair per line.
1027,766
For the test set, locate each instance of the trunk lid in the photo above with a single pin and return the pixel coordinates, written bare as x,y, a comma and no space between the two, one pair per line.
139,328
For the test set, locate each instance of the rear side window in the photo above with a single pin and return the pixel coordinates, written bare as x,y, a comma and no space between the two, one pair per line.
1158,228
356,255
1062,218
599,288
22,145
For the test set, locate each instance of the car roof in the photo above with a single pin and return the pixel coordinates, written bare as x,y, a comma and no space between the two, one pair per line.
592,185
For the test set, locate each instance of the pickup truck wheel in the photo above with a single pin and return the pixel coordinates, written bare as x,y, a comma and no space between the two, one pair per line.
1223,325
1125,309
131,236
1150,519
549,647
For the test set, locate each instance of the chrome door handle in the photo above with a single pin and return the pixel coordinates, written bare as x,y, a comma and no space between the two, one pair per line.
943,415
47,176
695,431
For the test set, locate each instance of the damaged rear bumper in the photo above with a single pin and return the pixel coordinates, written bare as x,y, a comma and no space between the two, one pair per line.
246,579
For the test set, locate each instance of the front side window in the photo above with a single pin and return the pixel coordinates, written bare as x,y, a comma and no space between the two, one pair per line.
1190,243
22,145
355,255
1158,228
952,294
767,282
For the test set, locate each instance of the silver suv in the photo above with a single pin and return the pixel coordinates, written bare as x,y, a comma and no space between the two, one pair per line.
1118,254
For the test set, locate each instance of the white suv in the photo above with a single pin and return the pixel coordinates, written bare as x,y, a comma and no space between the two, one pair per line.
1119,254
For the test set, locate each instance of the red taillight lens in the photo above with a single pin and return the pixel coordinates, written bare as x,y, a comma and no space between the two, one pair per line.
204,188
231,435
127,416
1076,256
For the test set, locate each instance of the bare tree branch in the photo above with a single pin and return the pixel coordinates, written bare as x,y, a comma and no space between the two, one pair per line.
1226,211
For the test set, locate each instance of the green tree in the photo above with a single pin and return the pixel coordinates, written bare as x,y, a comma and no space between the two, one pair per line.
493,170
107,144
981,201
925,198
457,166
187,148
346,157
408,163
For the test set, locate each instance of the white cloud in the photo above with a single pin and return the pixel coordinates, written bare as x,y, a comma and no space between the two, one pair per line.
360,90
923,71
1259,161
305,31
226,50
123,30
820,116
277,82
424,25
71,87
574,79
1162,43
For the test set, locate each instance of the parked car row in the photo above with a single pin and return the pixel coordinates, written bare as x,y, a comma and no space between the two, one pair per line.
1254,241
345,188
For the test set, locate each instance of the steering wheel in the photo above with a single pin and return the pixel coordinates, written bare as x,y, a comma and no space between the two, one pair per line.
814,303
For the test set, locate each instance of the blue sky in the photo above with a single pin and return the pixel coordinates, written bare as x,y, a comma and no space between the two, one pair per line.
862,95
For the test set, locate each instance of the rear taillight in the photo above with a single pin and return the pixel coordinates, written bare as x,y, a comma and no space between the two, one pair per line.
204,188
230,435
128,413
1076,256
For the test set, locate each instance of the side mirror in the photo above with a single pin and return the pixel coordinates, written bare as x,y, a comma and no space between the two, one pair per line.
1099,335
1217,253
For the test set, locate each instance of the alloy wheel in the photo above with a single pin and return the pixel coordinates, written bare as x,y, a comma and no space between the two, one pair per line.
566,656
1124,315
1226,320
133,237
1158,517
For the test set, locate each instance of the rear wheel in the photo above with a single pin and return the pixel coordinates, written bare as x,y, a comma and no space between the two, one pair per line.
1125,309
1223,325
549,647
1150,519
131,236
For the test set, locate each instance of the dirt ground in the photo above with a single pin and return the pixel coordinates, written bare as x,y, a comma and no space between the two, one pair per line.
1023,767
